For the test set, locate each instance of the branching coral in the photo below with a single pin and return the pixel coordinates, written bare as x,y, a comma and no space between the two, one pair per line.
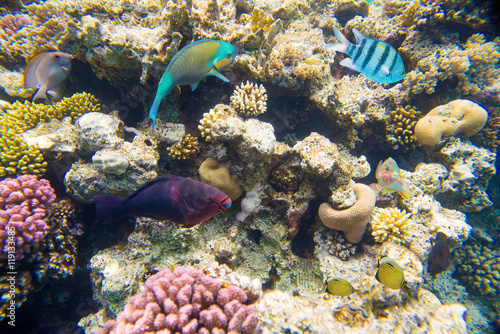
209,118
249,99
15,156
185,149
403,125
391,225
185,301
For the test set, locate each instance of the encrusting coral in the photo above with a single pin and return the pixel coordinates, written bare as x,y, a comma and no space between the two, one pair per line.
352,221
185,149
249,100
391,225
185,301
457,117
403,126
217,175
16,157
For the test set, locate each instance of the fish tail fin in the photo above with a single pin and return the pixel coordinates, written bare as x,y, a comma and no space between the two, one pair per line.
108,208
154,110
343,42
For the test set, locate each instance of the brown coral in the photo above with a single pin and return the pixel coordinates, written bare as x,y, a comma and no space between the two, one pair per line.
185,149
209,118
217,175
403,126
352,221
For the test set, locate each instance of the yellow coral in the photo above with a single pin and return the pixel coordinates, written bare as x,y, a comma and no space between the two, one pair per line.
403,126
185,149
209,118
217,175
259,19
249,99
15,156
392,225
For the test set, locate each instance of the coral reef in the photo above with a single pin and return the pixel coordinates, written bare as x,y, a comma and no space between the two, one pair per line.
185,149
249,99
187,301
391,225
457,117
352,221
210,118
402,127
217,175
25,201
333,243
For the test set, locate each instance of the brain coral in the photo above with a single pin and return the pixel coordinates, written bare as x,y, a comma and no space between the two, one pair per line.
217,175
352,221
457,117
391,225
249,99
185,301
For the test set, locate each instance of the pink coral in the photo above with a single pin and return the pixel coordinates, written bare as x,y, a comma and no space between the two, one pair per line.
24,203
185,301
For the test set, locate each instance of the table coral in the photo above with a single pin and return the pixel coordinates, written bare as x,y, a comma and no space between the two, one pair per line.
457,117
249,99
185,301
391,225
185,149
24,204
217,175
352,221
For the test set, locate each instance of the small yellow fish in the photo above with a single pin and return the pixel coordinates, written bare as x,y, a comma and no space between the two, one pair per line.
390,274
390,179
339,287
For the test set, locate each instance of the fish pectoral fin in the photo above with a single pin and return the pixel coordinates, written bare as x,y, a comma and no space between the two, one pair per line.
216,73
194,86
179,202
384,71
347,62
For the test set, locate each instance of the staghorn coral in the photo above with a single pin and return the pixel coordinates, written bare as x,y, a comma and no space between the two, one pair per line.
24,204
16,157
352,221
249,99
402,126
479,267
391,225
185,301
185,149
457,117
217,175
208,120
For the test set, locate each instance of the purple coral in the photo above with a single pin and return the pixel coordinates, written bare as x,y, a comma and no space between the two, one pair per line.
24,202
185,301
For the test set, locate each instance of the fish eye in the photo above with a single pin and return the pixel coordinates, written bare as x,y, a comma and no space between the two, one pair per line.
57,56
402,72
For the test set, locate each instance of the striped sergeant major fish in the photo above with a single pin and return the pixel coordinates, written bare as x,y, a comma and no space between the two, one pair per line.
377,60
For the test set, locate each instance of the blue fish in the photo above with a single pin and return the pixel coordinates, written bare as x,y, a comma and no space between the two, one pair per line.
377,60
191,65
181,200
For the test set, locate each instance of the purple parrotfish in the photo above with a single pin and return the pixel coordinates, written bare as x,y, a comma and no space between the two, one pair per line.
181,200
390,179
192,64
47,73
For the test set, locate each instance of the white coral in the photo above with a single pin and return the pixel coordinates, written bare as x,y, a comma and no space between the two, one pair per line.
391,225
249,99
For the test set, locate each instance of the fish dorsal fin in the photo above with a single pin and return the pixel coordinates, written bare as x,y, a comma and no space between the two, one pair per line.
194,86
149,184
216,73
384,71
347,62
359,36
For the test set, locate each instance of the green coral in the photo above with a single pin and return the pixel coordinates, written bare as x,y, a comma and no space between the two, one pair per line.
15,156
480,268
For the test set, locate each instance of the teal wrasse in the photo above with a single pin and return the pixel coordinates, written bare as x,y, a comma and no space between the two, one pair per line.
377,60
191,65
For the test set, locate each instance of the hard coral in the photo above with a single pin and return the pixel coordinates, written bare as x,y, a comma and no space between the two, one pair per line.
352,221
24,204
185,149
217,175
392,225
249,100
457,117
403,126
219,112
185,301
